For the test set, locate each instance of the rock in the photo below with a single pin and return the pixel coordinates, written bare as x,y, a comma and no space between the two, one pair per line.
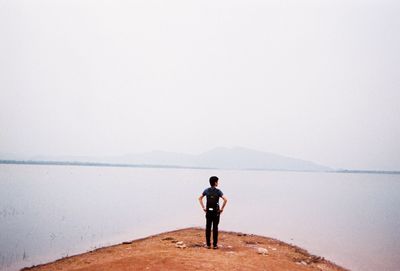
127,242
262,251
168,238
230,247
180,244
303,263
314,259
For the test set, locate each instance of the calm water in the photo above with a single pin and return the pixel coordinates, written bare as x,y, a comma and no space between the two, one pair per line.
48,212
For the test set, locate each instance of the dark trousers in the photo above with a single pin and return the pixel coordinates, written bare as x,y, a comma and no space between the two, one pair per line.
212,219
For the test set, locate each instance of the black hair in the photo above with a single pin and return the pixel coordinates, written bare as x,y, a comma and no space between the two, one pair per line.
213,180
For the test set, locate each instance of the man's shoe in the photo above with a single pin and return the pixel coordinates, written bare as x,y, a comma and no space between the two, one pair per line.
215,247
208,247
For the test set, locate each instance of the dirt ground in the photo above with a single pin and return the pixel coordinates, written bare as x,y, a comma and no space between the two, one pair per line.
184,250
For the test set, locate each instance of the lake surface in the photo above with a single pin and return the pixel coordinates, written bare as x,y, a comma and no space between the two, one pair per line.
48,212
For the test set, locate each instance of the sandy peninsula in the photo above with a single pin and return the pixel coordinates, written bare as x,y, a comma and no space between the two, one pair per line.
184,250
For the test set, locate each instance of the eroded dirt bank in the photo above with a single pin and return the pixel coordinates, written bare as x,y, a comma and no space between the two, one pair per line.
184,250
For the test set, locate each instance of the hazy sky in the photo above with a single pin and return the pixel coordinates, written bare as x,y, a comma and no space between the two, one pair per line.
317,80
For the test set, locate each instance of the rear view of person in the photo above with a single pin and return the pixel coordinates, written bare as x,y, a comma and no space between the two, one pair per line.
212,210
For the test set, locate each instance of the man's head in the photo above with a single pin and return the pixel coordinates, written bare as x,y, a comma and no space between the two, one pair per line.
214,181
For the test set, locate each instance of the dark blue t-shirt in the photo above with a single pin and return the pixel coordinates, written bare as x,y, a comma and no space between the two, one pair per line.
210,190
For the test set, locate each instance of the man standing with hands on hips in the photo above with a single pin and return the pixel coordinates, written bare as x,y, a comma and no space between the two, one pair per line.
212,210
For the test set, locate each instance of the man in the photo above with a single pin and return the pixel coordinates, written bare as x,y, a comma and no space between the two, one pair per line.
212,210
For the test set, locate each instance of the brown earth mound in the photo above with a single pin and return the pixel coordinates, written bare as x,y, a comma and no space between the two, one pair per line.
184,250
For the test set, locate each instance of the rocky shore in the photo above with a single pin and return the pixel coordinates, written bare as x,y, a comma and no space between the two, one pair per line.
184,250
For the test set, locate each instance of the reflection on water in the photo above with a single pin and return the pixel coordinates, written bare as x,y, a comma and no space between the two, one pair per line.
49,212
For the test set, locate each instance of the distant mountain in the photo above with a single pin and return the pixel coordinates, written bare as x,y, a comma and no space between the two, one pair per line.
222,158
242,158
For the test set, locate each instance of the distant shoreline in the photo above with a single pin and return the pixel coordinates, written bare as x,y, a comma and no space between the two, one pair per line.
100,164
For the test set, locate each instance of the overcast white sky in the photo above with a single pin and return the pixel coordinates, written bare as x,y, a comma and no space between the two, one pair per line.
317,80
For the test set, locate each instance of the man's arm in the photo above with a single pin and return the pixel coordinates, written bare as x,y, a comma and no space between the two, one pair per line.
201,203
223,205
